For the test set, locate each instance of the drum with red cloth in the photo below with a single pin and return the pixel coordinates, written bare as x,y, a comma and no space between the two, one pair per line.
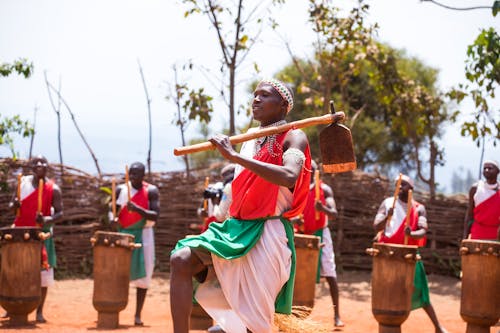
392,284
20,280
112,256
480,300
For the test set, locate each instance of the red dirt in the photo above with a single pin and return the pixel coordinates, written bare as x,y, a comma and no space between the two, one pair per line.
69,308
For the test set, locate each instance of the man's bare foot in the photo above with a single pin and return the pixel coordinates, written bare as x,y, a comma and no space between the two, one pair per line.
138,321
40,319
338,322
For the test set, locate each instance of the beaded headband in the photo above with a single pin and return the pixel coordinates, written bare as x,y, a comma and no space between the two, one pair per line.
282,89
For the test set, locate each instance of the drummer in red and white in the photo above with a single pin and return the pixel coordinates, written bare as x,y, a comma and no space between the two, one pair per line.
392,222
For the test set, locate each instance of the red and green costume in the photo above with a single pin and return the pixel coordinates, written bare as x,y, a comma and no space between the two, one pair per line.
132,223
487,218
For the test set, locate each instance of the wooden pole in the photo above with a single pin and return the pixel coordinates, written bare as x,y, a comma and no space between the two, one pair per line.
40,194
127,182
317,194
113,197
408,211
19,175
235,139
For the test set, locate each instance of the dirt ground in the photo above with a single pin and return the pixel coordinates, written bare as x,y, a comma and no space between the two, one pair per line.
69,308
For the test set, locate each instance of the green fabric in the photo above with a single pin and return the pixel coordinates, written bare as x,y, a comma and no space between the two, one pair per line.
420,297
50,247
137,266
234,238
319,233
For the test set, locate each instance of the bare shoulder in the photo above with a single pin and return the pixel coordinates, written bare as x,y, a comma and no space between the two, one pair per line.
296,139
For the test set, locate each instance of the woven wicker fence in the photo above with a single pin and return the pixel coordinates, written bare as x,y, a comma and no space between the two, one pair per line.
357,194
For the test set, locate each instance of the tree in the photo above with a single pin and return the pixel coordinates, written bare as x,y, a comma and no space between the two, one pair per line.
232,24
389,98
15,125
482,72
191,105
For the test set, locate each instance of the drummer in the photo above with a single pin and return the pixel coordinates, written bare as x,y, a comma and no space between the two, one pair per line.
482,220
137,217
394,232
29,216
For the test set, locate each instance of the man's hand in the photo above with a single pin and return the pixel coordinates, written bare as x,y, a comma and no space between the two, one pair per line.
133,207
319,206
15,204
408,231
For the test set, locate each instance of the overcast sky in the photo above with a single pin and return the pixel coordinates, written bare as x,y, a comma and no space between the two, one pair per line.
93,48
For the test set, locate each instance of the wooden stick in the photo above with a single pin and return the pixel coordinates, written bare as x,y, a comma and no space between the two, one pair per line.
235,139
316,185
19,175
408,210
396,194
205,203
113,197
127,182
40,193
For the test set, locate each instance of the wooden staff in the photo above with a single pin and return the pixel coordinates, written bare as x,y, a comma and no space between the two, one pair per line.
396,194
19,175
316,185
113,197
40,193
235,139
408,211
127,182
205,203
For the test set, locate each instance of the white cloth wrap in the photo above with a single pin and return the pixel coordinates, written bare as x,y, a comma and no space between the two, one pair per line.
398,216
328,267
484,191
47,276
247,287
148,245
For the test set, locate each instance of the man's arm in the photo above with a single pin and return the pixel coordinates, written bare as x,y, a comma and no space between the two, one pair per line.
58,209
380,220
153,212
283,175
329,207
422,225
469,215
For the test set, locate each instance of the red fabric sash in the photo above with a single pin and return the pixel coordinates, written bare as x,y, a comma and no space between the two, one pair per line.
486,218
255,197
399,236
311,224
29,206
141,198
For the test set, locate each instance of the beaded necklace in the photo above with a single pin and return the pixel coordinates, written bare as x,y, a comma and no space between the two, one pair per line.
269,142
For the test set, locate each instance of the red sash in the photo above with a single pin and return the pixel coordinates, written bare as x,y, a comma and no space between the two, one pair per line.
254,197
399,236
486,218
311,224
29,206
141,199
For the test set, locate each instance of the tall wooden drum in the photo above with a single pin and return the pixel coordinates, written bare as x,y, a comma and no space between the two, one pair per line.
112,255
20,281
480,301
307,248
392,284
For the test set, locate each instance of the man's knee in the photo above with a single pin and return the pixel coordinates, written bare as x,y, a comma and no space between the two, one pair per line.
180,261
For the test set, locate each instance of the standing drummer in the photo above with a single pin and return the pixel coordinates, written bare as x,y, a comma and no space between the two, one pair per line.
137,217
27,205
394,232
482,220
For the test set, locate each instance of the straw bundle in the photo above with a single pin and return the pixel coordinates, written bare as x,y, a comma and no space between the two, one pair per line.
297,322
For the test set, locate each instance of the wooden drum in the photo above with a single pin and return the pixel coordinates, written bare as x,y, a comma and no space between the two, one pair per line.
112,255
392,284
20,280
480,301
307,248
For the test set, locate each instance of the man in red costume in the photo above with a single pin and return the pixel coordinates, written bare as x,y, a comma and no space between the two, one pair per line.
315,222
137,217
482,220
394,233
29,216
247,263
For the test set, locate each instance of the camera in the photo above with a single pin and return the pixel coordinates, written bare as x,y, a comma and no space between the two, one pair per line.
212,192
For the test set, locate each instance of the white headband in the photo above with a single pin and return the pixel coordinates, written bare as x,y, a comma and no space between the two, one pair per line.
282,89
